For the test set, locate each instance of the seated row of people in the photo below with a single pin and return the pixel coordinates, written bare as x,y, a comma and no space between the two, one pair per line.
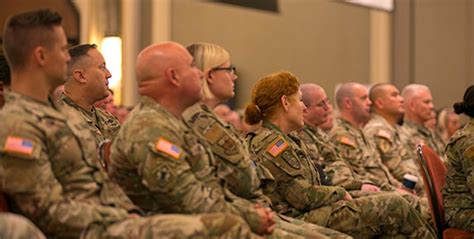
175,156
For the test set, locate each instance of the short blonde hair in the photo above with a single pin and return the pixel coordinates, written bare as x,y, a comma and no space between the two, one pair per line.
207,56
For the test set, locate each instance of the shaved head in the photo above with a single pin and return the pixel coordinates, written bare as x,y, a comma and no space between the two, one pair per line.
309,90
378,90
345,90
153,61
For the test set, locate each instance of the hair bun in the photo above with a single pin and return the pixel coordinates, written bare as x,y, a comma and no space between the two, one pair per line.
459,107
253,114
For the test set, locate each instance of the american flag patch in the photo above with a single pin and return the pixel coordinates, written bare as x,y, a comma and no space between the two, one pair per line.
18,145
277,147
167,147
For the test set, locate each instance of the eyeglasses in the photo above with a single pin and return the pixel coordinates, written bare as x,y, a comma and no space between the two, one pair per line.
231,69
322,104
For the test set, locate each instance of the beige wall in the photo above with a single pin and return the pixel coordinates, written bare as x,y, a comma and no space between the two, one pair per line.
433,45
320,41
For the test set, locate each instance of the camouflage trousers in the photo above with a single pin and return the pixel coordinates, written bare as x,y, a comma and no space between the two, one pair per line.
212,225
385,215
307,230
462,218
17,227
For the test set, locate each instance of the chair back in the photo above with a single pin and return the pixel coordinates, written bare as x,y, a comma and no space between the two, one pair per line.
433,172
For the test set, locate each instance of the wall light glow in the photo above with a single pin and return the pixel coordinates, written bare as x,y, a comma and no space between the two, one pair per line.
111,49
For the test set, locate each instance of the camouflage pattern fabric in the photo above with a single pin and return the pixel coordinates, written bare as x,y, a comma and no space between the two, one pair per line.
17,227
321,149
393,152
164,166
458,193
50,171
413,134
355,148
231,153
298,194
102,124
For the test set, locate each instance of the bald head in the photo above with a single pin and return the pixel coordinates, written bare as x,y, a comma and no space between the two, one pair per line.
410,92
418,103
154,60
311,93
353,102
317,103
166,73
346,90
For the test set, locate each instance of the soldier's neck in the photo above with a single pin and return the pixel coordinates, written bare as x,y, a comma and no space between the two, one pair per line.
392,120
34,87
81,101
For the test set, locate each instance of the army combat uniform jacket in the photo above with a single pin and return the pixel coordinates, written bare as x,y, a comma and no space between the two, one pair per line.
413,134
102,124
239,170
458,193
50,170
321,149
298,193
393,152
355,148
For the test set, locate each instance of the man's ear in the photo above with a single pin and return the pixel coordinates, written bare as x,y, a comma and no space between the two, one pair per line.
172,76
79,76
39,55
378,103
347,102
285,103
208,74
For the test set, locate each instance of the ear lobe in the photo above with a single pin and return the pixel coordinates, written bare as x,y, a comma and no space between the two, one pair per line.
284,102
79,76
172,76
40,56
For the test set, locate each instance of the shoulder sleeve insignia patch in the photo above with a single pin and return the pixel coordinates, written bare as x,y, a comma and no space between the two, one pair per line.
168,148
348,141
277,147
384,134
469,153
18,145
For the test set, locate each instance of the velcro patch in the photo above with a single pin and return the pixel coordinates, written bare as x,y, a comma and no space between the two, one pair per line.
469,153
18,145
277,147
168,148
384,134
348,141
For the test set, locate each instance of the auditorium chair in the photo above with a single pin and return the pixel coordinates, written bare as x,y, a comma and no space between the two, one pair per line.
433,172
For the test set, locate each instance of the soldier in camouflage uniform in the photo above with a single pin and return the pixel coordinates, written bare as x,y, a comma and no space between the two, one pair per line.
17,227
159,161
354,146
48,159
458,193
86,84
319,147
236,167
418,109
383,131
276,100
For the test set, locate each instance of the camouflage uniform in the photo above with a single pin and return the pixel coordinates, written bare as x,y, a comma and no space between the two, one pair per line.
361,155
17,227
413,134
238,169
393,153
458,193
50,171
164,167
102,124
320,149
298,193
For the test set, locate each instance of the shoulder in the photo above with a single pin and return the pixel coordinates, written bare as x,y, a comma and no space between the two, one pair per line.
339,135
